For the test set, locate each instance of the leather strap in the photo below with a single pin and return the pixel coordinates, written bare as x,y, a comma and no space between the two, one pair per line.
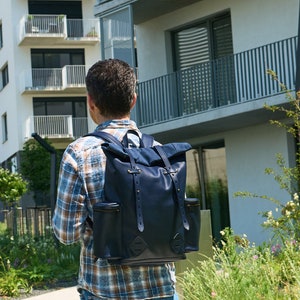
135,171
174,177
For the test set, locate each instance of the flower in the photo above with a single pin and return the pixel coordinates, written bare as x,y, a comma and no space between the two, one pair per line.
213,294
276,249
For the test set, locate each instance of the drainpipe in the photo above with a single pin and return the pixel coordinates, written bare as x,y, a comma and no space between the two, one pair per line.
52,152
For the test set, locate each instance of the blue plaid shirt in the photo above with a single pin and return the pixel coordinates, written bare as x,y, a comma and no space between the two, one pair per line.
80,186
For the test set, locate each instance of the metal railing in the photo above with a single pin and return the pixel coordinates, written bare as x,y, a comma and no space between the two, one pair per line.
57,126
237,78
59,25
55,78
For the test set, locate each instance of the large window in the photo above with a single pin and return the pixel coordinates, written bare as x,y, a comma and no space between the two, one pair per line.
203,55
47,65
117,36
53,112
75,106
56,58
73,9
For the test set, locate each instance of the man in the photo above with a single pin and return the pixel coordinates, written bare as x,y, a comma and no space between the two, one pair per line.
111,95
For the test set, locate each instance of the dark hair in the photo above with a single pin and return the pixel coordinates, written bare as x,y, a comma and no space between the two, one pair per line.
111,84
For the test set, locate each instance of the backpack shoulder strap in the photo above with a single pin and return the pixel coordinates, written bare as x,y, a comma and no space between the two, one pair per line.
105,136
146,141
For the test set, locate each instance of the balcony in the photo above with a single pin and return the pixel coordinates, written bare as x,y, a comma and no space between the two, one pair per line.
56,127
39,30
226,82
69,79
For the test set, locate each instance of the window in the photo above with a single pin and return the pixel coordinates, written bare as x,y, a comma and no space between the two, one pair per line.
203,54
207,180
75,106
73,9
3,77
50,109
53,58
1,36
4,128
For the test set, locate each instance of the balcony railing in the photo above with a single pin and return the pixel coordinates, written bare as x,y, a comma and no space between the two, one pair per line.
57,126
232,79
55,78
58,26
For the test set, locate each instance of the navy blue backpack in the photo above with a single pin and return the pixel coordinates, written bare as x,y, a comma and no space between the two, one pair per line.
145,218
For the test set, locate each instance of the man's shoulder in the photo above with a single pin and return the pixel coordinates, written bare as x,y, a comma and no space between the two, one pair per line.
84,143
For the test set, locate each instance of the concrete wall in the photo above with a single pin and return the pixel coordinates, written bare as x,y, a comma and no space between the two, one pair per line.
249,152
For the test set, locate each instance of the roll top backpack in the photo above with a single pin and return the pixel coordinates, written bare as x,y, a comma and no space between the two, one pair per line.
145,218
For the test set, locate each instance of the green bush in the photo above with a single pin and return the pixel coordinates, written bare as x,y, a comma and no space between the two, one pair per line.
27,262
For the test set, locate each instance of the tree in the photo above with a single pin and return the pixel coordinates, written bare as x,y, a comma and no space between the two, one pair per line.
12,187
35,167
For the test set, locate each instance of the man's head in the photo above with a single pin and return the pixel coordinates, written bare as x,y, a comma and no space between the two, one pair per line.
111,86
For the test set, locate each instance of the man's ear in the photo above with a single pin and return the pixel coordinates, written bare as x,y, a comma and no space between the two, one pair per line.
90,102
133,102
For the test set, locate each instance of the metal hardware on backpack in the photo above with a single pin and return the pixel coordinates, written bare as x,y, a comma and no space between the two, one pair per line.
145,218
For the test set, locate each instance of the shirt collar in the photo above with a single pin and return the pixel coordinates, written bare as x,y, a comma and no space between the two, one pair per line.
116,124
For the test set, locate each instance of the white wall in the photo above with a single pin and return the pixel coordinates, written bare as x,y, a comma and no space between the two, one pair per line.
249,152
254,23
17,106
10,12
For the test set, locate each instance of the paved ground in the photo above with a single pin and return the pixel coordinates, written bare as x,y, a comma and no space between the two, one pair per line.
69,293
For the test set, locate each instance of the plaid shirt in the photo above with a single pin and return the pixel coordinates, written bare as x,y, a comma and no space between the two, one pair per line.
80,186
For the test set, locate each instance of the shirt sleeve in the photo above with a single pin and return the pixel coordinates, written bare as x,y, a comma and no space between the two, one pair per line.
70,212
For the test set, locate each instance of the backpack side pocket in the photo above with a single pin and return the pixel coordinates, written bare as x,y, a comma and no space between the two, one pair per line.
107,230
191,236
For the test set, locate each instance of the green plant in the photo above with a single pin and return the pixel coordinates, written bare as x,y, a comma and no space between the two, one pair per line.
12,187
27,262
30,18
240,270
92,33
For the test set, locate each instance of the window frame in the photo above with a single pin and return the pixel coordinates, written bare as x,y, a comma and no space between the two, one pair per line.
4,128
4,78
1,35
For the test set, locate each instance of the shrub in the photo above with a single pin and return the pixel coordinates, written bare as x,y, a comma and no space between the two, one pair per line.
240,270
27,262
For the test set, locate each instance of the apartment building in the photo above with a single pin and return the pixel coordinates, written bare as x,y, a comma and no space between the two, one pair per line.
45,50
202,79
201,67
